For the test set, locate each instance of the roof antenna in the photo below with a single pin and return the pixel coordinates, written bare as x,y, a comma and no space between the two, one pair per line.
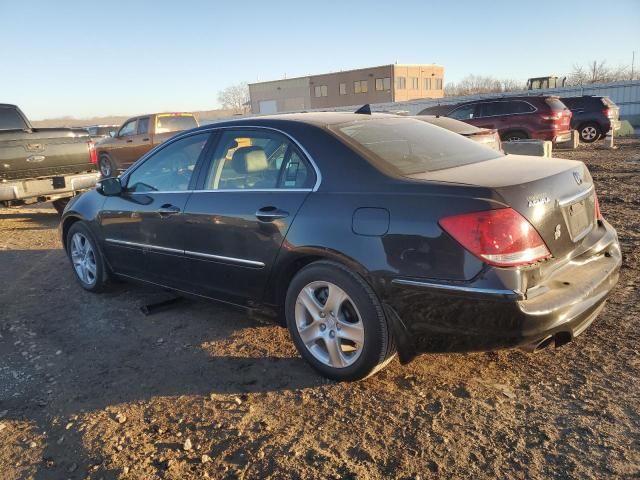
364,110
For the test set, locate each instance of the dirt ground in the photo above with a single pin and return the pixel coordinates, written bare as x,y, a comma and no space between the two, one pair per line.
91,388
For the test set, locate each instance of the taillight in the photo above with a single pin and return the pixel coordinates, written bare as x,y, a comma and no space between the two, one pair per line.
597,207
93,155
501,237
607,112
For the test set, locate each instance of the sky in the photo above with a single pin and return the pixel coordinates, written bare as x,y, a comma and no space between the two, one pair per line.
82,59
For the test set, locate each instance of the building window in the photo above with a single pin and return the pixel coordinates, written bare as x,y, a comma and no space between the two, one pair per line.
414,83
438,84
321,91
383,84
427,84
343,89
360,86
401,83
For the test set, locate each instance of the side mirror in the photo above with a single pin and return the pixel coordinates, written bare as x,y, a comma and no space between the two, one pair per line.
112,133
109,187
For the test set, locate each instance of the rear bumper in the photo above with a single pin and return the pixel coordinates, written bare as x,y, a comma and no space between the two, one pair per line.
47,188
428,317
554,136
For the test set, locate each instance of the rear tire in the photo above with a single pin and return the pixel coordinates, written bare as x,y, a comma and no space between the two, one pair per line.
60,203
106,166
346,335
86,259
590,132
514,135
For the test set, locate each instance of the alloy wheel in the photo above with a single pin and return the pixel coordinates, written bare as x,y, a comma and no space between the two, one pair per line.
329,324
83,258
105,168
589,133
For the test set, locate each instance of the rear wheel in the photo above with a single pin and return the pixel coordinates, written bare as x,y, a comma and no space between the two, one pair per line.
86,259
590,132
514,135
337,323
106,166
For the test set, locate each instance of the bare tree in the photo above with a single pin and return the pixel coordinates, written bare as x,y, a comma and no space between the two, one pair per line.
475,84
597,72
235,97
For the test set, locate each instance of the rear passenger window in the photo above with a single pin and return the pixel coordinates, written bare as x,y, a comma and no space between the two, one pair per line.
143,126
257,160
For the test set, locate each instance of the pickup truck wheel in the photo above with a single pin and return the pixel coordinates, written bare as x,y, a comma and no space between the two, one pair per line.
60,204
590,132
337,322
107,169
86,259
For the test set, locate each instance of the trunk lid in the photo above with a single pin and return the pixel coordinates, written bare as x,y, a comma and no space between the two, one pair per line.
556,196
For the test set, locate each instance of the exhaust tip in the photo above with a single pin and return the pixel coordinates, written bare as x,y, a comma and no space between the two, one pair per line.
543,344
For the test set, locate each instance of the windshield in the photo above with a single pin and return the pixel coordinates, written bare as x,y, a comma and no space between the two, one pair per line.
175,123
405,146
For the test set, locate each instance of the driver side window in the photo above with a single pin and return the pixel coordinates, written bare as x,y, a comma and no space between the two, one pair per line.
169,169
128,129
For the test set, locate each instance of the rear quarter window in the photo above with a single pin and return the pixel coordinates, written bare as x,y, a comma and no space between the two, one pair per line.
404,146
555,104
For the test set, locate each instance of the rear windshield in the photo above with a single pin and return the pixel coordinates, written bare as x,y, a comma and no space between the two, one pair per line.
10,119
405,146
174,123
608,102
555,104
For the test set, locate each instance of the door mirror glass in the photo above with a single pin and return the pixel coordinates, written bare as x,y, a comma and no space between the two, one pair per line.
109,187
112,133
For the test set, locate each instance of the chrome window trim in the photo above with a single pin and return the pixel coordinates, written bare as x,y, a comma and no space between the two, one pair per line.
563,202
511,294
190,253
475,104
211,129
226,190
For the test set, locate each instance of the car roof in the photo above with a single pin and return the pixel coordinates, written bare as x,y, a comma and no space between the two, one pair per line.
318,119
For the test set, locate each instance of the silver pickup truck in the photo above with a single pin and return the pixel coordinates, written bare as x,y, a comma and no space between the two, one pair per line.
43,164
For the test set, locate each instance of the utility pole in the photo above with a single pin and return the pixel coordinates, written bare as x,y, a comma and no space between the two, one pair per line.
633,61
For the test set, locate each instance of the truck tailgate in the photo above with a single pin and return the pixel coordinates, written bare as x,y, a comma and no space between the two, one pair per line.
43,152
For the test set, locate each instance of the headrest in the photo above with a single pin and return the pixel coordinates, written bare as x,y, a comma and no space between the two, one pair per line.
249,160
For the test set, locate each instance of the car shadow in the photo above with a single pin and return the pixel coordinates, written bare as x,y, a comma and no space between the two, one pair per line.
97,351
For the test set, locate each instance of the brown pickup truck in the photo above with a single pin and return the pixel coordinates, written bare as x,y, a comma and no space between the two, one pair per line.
136,137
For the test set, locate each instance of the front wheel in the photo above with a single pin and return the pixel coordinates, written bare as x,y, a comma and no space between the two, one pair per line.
86,259
337,323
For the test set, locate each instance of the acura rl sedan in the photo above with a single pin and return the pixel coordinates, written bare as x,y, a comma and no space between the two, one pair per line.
366,235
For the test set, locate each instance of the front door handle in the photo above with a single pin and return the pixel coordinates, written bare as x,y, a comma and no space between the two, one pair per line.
269,214
168,209
129,141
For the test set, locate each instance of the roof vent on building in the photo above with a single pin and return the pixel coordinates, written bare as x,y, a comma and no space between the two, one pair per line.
364,110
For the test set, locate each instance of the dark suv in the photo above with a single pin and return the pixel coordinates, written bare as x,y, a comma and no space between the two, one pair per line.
515,118
592,116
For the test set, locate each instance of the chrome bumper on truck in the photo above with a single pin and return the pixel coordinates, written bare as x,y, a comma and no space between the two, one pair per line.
48,188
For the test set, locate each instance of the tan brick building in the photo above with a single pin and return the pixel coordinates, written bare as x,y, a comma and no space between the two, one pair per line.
386,83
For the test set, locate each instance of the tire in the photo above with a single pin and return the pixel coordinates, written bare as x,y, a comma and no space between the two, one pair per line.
60,203
106,166
590,132
350,342
88,260
514,135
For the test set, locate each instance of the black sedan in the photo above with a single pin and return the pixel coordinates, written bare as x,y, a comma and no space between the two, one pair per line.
366,235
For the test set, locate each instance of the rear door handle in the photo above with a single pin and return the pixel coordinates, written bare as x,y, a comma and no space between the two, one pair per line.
269,214
129,141
168,209
145,139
